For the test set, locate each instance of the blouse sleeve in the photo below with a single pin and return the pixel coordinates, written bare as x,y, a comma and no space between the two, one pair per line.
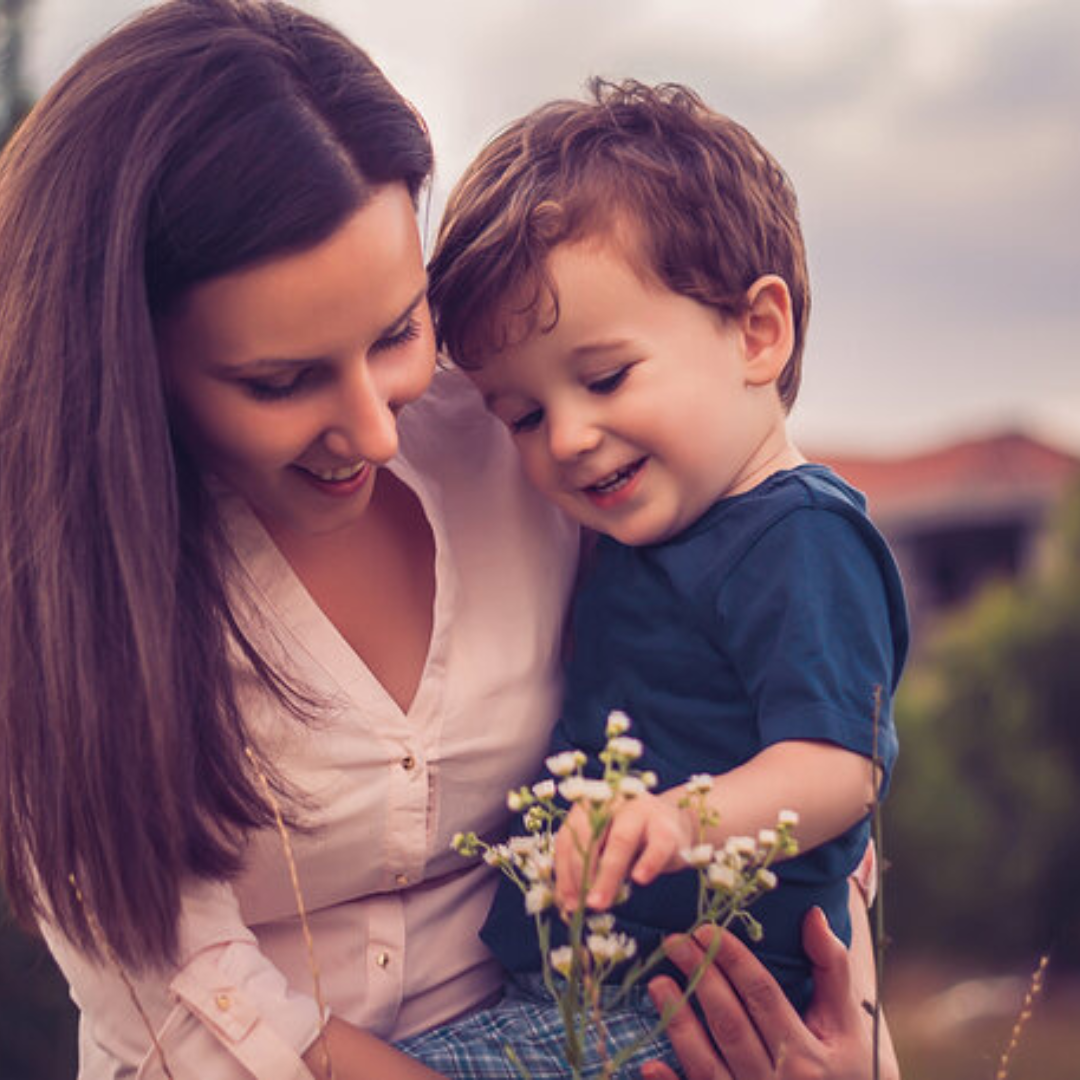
223,1012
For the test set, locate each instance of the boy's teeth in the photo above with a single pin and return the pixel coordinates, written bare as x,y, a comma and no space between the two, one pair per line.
616,480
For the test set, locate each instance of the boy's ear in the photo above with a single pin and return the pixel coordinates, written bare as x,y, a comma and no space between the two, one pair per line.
768,330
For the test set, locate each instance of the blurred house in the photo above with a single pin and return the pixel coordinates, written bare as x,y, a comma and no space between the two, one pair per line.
962,514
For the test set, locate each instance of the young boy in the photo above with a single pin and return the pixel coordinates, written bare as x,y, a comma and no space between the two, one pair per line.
625,280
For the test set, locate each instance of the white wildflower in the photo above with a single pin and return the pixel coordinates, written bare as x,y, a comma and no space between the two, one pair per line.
631,787
740,846
498,855
572,788
579,789
561,960
610,947
517,801
602,923
538,898
534,819
562,764
698,784
649,779
723,876
626,747
545,789
618,723
699,856
597,791
766,879
767,838
540,866
788,818
602,946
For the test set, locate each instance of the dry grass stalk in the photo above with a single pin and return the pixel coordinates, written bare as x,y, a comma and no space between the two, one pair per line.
294,877
876,766
1034,990
99,936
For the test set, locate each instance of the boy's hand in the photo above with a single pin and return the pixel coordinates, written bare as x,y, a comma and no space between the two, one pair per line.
643,840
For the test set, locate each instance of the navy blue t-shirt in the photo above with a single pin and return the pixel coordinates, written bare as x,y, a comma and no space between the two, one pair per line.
774,616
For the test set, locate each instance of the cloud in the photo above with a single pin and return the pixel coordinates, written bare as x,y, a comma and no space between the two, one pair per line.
933,142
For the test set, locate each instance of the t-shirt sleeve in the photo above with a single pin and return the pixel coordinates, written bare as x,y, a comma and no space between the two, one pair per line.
808,616
224,1012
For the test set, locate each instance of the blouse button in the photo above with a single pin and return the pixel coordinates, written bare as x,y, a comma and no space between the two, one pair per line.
223,1002
408,762
383,959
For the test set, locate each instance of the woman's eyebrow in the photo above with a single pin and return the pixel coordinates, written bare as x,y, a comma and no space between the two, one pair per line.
260,362
412,305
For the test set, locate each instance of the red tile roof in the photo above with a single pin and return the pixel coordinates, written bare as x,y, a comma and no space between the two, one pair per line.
1010,469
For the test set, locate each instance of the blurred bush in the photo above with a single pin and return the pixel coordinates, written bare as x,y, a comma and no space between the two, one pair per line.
979,826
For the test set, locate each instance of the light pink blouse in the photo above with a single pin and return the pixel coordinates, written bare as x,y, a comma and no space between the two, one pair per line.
393,912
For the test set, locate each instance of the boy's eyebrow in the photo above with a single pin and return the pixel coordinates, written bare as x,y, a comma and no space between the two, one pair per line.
601,345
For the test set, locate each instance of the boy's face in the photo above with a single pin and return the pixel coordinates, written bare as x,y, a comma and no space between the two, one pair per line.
640,407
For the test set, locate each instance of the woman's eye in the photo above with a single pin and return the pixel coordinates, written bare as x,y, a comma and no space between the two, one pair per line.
528,422
270,390
609,383
408,332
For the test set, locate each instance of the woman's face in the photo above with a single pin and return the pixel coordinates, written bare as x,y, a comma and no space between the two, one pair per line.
286,378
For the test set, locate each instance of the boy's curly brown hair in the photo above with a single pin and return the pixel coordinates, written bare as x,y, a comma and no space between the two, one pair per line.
692,197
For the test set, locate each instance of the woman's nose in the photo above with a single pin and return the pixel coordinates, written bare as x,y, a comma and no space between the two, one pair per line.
364,423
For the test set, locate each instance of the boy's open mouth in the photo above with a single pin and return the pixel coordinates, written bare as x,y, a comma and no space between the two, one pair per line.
618,479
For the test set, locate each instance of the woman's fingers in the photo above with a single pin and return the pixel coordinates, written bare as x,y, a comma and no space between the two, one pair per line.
831,1011
733,1029
695,1050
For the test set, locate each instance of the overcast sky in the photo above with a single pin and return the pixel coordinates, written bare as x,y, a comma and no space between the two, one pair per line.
935,145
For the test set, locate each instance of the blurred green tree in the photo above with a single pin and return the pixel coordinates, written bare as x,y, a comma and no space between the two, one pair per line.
985,850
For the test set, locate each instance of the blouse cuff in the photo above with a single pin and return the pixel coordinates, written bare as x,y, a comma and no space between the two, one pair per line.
228,998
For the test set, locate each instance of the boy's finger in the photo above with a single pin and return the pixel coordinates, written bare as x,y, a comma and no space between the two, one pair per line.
568,863
567,872
621,846
653,861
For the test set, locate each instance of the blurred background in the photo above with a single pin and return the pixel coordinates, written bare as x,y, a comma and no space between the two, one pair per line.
935,145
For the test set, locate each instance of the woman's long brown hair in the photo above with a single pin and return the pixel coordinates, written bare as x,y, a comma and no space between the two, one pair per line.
202,136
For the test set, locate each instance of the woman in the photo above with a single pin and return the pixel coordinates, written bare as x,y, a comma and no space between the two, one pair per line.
246,571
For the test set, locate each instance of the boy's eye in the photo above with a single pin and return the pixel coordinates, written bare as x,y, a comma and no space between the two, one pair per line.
609,383
408,332
529,421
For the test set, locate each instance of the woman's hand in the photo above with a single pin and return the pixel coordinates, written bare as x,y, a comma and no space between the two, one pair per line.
760,1034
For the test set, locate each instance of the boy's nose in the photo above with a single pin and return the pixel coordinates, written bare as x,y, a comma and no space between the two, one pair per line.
569,437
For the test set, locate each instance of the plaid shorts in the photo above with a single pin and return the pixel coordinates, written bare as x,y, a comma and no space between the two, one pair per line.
474,1047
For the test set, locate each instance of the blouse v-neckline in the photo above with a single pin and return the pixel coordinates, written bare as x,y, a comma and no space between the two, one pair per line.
312,630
